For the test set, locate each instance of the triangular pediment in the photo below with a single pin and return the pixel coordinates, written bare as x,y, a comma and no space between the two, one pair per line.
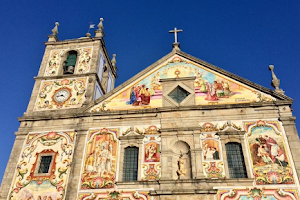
212,86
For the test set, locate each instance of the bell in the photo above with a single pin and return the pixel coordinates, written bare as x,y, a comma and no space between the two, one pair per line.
69,70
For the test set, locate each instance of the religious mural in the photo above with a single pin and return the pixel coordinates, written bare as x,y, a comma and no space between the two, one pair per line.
213,165
55,61
118,195
210,88
270,161
31,181
100,161
61,93
258,194
151,166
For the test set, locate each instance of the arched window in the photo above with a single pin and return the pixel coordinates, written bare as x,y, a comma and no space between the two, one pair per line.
130,165
235,160
70,62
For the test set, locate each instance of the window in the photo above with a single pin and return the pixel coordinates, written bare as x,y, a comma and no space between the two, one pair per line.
178,94
70,62
45,164
130,168
235,159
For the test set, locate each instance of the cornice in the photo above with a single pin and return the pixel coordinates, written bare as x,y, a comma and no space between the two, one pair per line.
77,112
77,40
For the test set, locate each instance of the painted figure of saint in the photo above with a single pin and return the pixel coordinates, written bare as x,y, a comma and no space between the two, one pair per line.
202,86
209,153
216,155
151,153
211,93
264,154
272,147
133,97
226,88
219,89
90,163
145,95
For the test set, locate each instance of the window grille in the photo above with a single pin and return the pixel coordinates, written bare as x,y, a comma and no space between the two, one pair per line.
178,94
130,168
45,164
235,160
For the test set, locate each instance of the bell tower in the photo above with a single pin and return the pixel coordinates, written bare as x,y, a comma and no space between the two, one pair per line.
73,73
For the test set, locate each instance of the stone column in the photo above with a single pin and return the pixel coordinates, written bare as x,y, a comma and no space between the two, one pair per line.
76,165
293,140
197,155
166,158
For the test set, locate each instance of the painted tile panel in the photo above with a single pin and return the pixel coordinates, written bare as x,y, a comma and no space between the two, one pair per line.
61,94
211,88
270,161
28,182
100,161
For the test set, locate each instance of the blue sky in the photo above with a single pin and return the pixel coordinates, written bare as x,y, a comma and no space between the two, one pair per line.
240,36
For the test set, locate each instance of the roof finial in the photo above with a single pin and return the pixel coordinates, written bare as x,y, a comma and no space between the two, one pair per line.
176,45
53,37
100,31
275,80
114,61
55,29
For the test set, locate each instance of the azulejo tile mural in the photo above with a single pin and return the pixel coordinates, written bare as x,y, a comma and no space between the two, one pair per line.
100,161
213,165
151,166
258,194
210,88
270,161
55,61
61,94
29,182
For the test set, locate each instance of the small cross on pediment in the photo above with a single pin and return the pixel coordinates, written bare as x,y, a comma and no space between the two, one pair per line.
175,31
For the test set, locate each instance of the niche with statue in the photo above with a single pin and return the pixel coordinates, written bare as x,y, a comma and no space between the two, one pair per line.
182,160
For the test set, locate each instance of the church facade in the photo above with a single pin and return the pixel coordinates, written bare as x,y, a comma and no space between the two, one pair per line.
180,129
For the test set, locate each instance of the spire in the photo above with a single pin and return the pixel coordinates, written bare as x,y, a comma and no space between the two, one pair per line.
100,31
53,37
114,62
275,81
176,45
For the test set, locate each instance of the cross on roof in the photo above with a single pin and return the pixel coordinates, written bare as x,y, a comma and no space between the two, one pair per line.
175,31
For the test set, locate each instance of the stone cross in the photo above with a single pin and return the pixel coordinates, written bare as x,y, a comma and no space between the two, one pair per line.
175,31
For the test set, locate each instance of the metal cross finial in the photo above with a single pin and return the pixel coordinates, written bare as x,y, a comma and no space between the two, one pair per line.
175,31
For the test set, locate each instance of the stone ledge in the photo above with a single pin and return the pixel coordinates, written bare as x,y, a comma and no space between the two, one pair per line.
181,192
65,76
77,40
78,112
177,79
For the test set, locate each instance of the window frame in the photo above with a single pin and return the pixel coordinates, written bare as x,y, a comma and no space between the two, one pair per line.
242,159
35,173
135,157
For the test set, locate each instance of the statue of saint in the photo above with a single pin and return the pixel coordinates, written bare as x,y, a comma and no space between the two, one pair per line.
181,170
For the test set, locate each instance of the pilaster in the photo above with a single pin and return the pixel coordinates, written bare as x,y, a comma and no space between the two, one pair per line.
11,166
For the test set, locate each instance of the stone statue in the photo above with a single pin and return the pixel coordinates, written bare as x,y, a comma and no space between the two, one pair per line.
181,169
